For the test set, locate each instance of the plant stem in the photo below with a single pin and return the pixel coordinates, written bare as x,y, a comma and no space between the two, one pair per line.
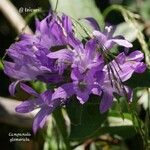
1,65
14,17
60,121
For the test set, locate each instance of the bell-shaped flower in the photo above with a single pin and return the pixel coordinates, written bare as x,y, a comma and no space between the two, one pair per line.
116,72
43,101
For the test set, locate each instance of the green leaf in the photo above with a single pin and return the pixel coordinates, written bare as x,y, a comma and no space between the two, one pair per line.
79,9
123,131
118,126
39,86
129,32
145,10
90,120
74,110
61,124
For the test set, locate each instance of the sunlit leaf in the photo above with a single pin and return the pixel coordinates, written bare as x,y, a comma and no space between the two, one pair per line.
79,9
129,32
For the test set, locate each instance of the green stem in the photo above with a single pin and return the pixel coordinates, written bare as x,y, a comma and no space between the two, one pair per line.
1,65
60,121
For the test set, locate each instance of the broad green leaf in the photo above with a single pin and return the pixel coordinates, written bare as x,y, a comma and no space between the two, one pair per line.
115,119
122,131
129,32
143,95
79,9
74,110
91,120
145,10
61,125
118,126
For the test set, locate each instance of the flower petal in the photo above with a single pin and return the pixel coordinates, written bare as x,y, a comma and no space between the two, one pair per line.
28,89
64,91
120,42
136,56
46,97
41,117
106,101
93,23
100,36
12,87
63,54
67,24
140,68
28,105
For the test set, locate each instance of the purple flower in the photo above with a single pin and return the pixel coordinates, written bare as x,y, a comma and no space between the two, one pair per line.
43,101
54,55
87,57
29,55
107,40
121,70
84,84
29,62
81,57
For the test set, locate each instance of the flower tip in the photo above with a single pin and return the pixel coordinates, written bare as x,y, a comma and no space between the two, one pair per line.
18,109
96,33
130,45
102,111
34,129
21,109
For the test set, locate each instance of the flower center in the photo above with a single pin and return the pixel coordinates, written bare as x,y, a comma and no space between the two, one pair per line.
82,85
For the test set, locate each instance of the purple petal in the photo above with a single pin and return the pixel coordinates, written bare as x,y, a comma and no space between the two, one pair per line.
28,105
120,42
42,27
140,68
46,97
129,92
64,59
50,78
67,24
41,117
100,36
136,56
12,87
93,23
121,58
97,90
64,91
57,32
18,71
63,54
106,101
73,41
29,90
126,72
76,74
90,48
82,97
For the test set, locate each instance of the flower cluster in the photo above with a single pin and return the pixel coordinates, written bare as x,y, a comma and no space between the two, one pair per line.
54,55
